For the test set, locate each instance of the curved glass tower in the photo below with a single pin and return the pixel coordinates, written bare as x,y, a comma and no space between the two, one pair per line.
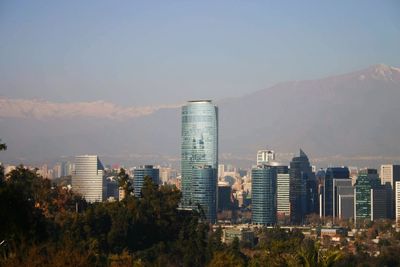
199,147
87,178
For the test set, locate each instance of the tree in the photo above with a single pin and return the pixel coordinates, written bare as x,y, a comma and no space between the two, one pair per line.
124,182
3,146
226,259
310,255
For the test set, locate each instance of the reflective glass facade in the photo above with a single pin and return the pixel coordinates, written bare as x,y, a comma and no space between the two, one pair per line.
199,144
362,197
303,195
331,174
204,186
87,179
263,195
140,173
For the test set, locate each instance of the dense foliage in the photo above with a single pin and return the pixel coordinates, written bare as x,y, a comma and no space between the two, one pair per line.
47,225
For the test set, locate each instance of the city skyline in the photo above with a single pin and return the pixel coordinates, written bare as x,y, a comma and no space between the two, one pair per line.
332,101
199,133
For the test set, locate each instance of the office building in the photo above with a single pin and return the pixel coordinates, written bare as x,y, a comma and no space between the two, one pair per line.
87,178
264,195
328,193
112,189
397,203
283,195
362,196
283,191
265,156
381,202
341,188
204,186
140,173
224,196
346,206
303,195
391,174
199,145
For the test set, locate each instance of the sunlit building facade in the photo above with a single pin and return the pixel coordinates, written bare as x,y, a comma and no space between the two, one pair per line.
199,146
263,196
87,178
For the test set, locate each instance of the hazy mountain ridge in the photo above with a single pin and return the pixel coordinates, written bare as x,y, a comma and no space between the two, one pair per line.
343,116
40,109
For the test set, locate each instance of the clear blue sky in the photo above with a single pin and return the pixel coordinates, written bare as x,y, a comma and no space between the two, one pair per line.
152,52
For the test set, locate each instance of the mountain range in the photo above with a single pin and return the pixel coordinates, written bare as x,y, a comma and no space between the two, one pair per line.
344,119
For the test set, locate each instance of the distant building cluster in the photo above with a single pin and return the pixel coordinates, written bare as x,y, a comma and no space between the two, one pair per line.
268,193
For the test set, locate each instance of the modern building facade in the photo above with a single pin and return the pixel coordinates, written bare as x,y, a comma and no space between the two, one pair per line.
204,186
397,203
224,196
199,148
140,173
381,200
341,187
263,190
87,178
328,195
265,156
282,191
303,189
362,196
346,206
390,174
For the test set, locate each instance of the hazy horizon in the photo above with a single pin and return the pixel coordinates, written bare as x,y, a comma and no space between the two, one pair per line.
141,54
82,77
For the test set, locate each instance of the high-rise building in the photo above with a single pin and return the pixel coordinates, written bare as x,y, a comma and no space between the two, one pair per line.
381,202
341,188
303,189
87,178
346,206
221,170
263,192
328,193
265,156
112,189
224,196
204,186
199,145
283,195
362,196
391,174
140,173
397,202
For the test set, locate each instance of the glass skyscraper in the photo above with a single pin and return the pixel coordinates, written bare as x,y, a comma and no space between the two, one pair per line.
140,173
331,174
199,147
87,179
263,195
303,195
204,186
362,195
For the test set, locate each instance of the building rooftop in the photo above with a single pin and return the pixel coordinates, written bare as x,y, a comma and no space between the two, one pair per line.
200,101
